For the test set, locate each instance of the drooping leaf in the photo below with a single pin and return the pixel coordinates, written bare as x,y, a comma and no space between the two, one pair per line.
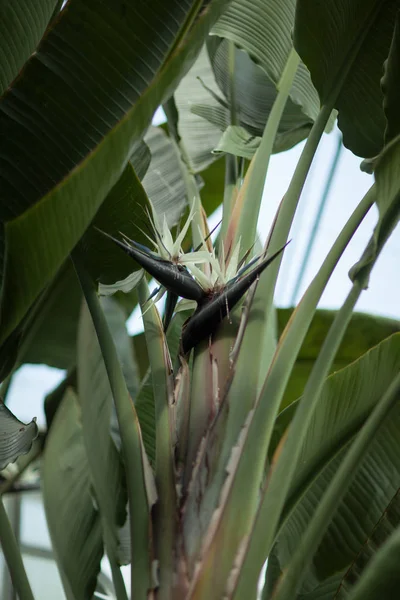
16,438
273,21
65,183
348,397
163,181
198,136
126,285
255,92
237,141
344,45
22,24
73,520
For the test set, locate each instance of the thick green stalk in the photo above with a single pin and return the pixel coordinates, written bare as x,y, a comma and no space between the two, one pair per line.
165,510
132,446
242,496
297,569
317,220
271,397
249,206
231,163
279,235
13,557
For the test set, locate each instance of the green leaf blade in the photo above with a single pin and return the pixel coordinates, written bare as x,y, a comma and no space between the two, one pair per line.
73,521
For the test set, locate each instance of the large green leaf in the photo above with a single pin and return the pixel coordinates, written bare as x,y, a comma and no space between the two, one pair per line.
73,520
16,438
51,336
363,332
385,527
381,579
264,29
255,93
96,400
22,24
70,155
198,136
390,87
347,399
163,181
344,44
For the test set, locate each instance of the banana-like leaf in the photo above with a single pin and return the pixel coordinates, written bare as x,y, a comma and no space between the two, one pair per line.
344,45
16,438
73,153
347,399
363,332
95,396
255,94
126,285
237,141
273,21
22,24
198,136
74,522
381,578
163,181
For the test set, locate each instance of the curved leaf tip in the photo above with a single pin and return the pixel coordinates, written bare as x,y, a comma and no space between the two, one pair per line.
16,437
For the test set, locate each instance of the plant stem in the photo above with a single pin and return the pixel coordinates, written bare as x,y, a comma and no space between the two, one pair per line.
273,498
165,510
132,447
317,220
232,84
231,162
13,557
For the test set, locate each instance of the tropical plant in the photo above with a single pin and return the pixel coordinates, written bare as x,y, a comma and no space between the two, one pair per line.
233,432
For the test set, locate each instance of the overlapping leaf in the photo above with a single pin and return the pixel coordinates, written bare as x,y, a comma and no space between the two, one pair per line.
22,24
344,45
70,155
264,30
363,332
73,520
347,399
